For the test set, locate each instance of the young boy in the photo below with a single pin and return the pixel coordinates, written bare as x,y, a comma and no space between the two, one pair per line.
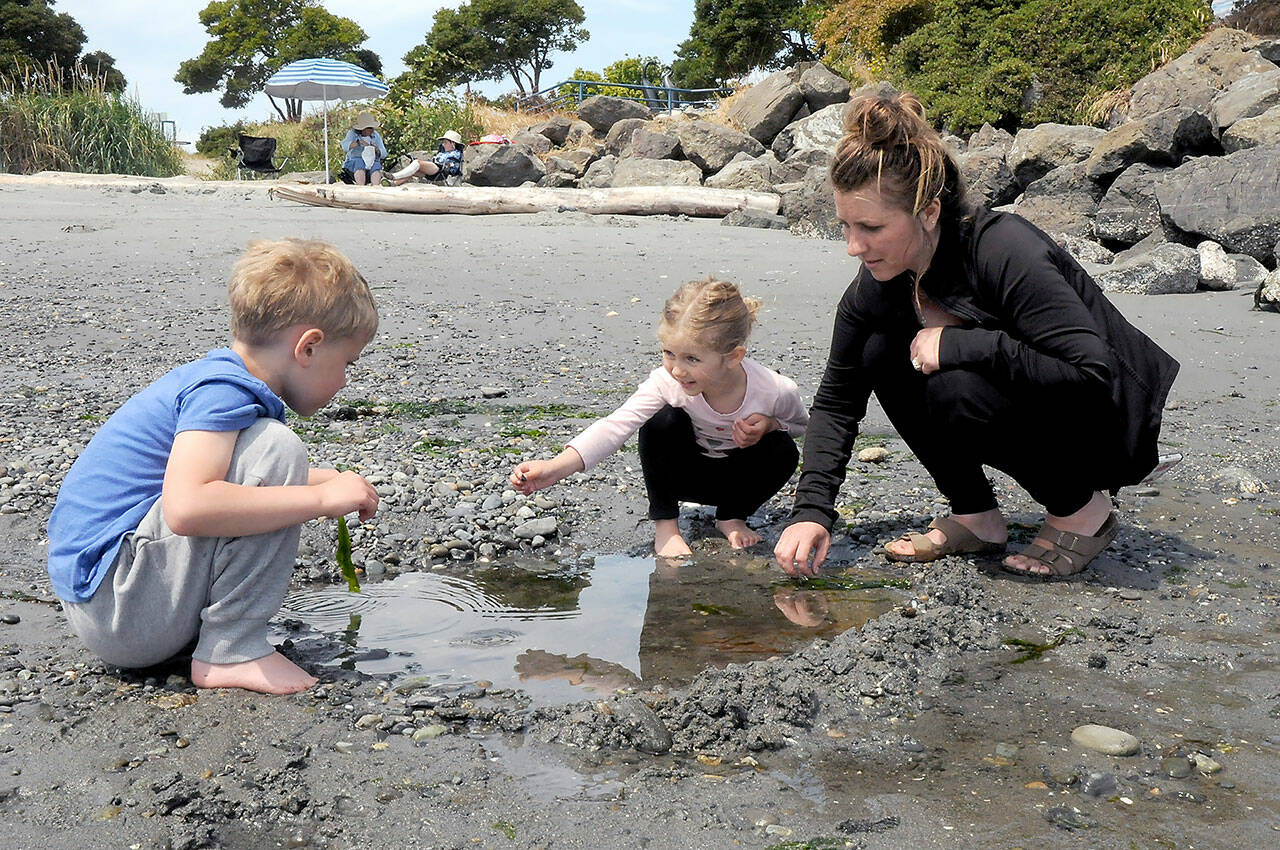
180,521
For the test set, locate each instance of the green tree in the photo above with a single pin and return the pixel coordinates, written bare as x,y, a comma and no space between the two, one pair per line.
101,65
731,38
492,39
1019,62
251,39
33,35
1260,17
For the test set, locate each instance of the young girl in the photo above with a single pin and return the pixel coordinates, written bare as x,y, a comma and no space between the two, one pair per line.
715,426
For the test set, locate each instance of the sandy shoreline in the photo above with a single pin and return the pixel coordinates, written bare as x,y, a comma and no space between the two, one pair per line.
103,288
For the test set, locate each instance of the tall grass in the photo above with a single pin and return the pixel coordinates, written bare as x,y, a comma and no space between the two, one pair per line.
54,121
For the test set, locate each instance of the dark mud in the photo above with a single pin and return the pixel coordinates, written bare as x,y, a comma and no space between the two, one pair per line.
944,721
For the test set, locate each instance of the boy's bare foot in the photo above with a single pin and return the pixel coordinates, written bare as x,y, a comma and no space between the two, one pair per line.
667,541
270,674
739,533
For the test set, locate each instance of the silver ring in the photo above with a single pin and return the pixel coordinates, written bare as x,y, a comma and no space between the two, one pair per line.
916,364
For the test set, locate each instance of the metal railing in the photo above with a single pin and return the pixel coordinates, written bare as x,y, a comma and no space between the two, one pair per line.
660,98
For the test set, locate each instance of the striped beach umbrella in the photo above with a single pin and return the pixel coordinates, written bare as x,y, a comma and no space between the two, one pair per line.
324,80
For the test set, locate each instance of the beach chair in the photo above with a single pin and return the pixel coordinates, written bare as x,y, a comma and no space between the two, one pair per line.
256,155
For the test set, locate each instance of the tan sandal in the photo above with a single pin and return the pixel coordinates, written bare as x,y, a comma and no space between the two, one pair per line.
1068,553
960,541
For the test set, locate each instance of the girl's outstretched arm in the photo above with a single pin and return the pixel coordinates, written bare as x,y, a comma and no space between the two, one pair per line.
534,475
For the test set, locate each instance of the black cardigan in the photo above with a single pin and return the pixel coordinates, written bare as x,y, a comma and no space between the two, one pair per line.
1031,315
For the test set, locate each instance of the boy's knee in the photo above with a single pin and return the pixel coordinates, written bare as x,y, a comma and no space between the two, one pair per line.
269,453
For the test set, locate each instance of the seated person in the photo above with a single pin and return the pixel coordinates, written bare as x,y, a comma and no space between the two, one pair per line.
365,150
447,161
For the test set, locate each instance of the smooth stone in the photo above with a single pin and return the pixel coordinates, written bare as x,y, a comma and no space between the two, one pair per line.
1204,764
11,619
345,747
1007,751
1099,785
1105,740
426,733
1176,767
874,454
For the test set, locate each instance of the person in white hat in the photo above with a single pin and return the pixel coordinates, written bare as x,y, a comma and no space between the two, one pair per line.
365,150
446,163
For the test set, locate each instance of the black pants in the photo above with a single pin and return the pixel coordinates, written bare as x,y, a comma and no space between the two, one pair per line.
1054,442
675,469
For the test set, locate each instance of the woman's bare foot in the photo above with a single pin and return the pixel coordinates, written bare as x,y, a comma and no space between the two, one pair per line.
988,526
667,542
270,674
739,533
1086,521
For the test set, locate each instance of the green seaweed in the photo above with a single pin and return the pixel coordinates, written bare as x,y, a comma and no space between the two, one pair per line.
1032,650
344,556
842,583
716,610
505,828
820,843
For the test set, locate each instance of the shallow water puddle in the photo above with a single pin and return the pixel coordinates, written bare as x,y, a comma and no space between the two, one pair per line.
563,633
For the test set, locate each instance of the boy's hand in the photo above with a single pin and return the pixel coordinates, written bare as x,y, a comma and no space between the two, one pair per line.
748,431
348,492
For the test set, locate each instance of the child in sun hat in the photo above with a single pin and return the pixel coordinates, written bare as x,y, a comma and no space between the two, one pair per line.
365,150
446,163
716,427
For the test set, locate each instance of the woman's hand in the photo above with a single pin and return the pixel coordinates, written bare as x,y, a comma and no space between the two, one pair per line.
798,542
749,430
925,350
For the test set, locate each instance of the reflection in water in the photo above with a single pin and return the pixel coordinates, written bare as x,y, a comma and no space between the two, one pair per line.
623,622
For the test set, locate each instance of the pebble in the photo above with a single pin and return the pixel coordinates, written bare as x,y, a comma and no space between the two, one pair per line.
544,526
1105,740
1176,767
10,619
426,733
1204,764
875,454
345,747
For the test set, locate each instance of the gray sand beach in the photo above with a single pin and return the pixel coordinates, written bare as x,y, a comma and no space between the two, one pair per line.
944,721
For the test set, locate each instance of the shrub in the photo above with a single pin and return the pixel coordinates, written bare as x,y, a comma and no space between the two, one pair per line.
1019,62
54,122
216,141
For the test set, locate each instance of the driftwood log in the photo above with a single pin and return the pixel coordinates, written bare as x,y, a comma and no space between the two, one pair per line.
698,201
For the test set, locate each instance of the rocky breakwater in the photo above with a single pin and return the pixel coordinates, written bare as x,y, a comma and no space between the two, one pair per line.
1181,191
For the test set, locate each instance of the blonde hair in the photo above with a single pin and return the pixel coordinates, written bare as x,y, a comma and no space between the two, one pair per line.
710,312
285,282
889,144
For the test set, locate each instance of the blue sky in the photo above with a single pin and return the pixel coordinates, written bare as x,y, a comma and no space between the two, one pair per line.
149,45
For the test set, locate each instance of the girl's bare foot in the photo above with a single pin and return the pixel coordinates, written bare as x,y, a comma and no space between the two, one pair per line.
988,526
667,542
270,674
739,533
1087,521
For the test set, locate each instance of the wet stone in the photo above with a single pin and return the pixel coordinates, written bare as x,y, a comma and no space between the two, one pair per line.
1099,785
1176,767
1066,817
1204,764
1105,740
648,734
10,619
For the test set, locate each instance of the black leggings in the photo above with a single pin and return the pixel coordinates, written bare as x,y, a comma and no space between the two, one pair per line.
1053,441
675,469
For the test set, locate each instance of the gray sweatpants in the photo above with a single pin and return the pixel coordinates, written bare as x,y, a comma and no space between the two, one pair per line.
164,589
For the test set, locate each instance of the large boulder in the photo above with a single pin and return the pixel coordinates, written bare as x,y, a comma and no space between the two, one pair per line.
1063,201
809,206
987,176
799,164
556,129
603,111
581,157
1128,213
1249,272
1167,268
711,146
618,140
1233,200
1253,132
820,131
744,172
822,87
655,172
500,165
1267,296
1217,269
575,168
1163,138
535,143
581,134
1247,97
1195,78
768,106
599,174
648,144
987,136
1038,150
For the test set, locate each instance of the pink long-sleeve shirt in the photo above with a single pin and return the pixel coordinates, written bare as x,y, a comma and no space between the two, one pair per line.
767,392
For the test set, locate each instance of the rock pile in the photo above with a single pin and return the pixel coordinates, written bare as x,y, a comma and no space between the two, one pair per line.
1181,193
